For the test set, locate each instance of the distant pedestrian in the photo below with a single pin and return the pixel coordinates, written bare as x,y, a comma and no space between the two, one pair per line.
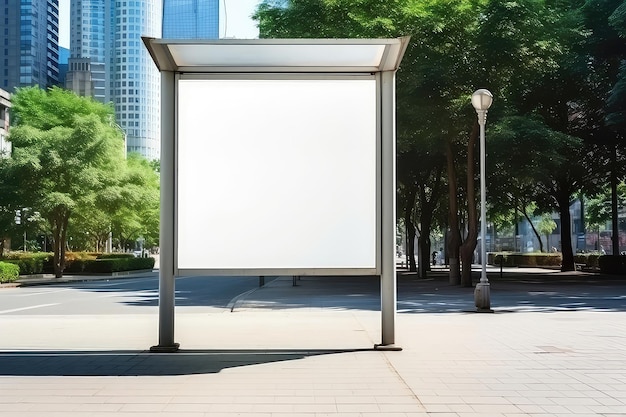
434,258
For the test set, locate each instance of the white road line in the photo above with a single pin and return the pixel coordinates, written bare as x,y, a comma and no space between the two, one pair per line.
116,282
27,308
43,292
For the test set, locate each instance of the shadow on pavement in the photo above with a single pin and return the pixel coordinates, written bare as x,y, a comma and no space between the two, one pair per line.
144,363
515,292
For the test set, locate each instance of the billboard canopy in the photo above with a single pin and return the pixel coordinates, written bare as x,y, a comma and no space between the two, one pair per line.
276,55
334,165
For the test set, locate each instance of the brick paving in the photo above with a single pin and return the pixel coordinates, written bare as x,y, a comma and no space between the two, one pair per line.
555,346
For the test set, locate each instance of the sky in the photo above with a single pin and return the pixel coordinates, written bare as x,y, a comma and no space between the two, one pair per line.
238,23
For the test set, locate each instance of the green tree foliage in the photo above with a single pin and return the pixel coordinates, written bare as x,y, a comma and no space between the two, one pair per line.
554,69
598,209
66,155
138,216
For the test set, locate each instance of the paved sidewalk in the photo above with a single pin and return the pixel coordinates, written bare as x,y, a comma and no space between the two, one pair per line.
555,346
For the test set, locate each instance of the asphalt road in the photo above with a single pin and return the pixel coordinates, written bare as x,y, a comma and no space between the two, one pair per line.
119,296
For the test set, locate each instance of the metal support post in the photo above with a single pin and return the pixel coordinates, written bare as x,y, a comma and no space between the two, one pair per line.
388,216
166,237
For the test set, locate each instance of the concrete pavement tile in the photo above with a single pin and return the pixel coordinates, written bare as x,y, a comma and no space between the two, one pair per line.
314,408
47,407
491,400
495,408
146,408
54,414
401,408
555,409
461,408
437,408
441,399
356,399
263,408
137,398
149,414
360,408
15,408
196,408
529,408
99,407
580,409
610,401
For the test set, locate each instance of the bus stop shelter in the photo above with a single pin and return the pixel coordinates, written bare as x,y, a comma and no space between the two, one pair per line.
277,158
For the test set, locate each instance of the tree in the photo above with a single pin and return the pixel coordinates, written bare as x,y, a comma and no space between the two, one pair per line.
66,154
546,226
136,213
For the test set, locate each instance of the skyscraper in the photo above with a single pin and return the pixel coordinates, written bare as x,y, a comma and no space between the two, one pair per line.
191,19
109,62
134,81
87,63
29,43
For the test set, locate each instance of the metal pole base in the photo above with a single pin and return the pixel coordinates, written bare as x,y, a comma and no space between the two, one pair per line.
381,347
165,348
482,297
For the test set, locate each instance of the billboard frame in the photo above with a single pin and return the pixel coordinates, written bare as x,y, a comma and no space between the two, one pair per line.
281,58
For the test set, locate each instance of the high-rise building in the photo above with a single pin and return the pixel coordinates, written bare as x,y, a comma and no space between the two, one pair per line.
133,80
64,56
87,64
29,43
191,19
5,105
109,62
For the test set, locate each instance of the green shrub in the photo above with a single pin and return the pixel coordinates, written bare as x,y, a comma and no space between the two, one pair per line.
9,272
109,265
115,255
75,266
87,262
612,264
524,259
30,262
589,259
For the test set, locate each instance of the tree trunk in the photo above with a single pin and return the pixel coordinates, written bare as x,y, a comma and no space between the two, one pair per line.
469,245
424,249
59,224
410,246
426,220
567,252
614,220
534,231
410,229
454,239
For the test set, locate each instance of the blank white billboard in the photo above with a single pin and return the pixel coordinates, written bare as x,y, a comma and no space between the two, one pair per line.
277,174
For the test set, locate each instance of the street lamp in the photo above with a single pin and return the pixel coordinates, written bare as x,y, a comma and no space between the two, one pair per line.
481,100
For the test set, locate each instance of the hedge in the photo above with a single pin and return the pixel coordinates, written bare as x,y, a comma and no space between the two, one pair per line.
524,259
77,262
119,264
612,264
589,259
9,272
28,263
115,255
109,263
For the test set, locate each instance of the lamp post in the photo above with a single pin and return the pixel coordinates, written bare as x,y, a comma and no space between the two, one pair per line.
481,100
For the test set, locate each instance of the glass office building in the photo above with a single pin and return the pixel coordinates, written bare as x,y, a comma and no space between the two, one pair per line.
87,66
29,43
191,19
134,82
109,62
